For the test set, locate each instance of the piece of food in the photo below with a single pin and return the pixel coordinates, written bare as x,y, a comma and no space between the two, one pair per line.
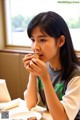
32,118
36,55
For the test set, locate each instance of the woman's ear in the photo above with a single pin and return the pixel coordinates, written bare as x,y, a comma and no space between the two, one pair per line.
61,41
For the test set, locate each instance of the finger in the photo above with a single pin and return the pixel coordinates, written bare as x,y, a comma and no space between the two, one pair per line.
26,63
28,68
27,57
38,62
32,70
34,66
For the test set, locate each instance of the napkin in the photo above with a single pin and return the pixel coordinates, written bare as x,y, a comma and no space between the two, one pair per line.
4,93
9,105
38,109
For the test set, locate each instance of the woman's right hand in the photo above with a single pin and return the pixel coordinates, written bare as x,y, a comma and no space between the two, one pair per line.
26,60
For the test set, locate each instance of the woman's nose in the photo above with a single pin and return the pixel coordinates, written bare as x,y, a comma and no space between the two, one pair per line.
36,47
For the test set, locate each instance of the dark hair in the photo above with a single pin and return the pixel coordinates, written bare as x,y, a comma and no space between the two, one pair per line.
55,26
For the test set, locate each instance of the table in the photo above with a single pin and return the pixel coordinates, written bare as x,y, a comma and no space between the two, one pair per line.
19,105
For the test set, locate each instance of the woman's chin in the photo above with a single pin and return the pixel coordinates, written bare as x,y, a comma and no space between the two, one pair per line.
44,60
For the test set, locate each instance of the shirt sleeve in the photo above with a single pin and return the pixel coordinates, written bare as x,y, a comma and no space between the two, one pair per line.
71,99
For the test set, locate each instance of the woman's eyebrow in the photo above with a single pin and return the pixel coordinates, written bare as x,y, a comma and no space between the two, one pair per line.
40,36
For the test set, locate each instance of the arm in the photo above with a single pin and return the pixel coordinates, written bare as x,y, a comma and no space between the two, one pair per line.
30,95
55,107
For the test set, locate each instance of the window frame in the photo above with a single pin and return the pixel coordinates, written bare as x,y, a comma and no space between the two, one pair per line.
7,22
6,31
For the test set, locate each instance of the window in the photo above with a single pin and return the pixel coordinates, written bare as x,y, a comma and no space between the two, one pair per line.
20,12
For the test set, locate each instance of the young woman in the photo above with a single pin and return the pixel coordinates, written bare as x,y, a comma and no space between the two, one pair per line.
55,73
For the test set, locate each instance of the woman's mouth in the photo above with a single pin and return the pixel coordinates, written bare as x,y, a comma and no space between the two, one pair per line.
41,56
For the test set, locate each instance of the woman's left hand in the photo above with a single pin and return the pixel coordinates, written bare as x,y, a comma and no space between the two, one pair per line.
38,67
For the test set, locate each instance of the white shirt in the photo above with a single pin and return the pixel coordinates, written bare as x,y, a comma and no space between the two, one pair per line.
71,99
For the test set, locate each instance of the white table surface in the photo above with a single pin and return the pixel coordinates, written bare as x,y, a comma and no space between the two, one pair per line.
19,105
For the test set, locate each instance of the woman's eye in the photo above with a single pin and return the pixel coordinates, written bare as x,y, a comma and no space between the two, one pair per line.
42,40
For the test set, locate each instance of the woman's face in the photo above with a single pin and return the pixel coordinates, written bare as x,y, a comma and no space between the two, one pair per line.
44,45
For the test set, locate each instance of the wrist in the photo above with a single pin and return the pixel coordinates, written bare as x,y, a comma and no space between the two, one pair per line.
46,77
32,76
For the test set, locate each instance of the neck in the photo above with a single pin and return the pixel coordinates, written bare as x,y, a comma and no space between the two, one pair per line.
56,64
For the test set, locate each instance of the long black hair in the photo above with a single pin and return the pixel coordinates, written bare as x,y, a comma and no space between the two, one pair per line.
55,26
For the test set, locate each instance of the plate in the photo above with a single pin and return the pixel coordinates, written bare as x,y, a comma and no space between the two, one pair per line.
26,115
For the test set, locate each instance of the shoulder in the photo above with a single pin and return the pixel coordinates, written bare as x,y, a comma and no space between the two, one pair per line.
75,72
74,75
74,82
71,98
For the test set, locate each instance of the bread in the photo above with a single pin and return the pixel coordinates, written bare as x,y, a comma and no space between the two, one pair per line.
32,118
36,55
